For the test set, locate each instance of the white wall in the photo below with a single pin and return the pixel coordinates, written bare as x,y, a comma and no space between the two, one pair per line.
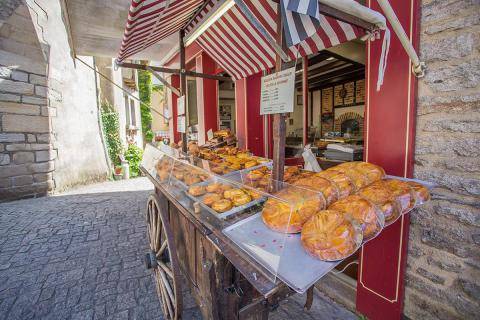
72,95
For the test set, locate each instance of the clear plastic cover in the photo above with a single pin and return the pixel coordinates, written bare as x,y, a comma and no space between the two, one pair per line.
295,230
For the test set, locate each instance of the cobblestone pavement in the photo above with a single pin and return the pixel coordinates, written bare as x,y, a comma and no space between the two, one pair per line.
79,255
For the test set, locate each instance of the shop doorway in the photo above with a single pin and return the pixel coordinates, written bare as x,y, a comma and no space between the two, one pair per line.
226,105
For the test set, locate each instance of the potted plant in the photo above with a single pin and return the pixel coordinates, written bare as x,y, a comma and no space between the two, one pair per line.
117,173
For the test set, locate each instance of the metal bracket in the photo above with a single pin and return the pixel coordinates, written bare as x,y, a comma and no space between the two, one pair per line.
150,260
419,70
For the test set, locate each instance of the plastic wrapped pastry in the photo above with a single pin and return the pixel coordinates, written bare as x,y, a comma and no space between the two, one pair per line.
422,194
327,188
358,179
403,193
370,170
329,235
364,212
341,180
300,205
381,195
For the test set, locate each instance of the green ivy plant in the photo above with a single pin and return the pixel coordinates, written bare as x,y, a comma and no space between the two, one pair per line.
111,129
134,156
145,94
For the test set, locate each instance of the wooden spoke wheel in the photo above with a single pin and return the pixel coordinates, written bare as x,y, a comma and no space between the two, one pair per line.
162,259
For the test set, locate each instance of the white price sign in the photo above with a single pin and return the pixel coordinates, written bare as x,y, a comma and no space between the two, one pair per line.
181,124
181,105
278,90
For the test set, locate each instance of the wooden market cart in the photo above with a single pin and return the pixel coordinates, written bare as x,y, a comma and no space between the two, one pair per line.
187,249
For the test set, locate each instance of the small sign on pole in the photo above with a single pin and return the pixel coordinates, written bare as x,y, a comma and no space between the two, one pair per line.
181,105
181,124
277,93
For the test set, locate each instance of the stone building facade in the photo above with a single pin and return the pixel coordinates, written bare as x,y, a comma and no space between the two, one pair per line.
48,106
443,267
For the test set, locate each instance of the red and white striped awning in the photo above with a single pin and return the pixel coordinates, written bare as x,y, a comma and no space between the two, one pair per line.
232,40
150,21
242,51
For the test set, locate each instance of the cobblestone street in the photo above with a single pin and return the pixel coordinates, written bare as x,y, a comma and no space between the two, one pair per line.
79,255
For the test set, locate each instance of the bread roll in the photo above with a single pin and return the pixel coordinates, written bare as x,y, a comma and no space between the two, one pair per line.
403,193
329,235
370,170
197,190
422,194
210,198
363,211
299,205
316,183
222,205
343,183
381,195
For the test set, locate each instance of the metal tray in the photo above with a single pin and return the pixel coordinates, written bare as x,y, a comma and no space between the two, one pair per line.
223,215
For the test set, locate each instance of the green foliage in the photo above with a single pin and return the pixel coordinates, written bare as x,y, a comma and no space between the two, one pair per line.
145,93
134,156
111,129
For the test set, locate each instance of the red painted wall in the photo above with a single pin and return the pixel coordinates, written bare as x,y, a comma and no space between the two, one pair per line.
389,142
207,97
255,139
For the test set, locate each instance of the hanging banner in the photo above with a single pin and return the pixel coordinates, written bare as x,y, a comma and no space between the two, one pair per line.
181,105
181,124
278,91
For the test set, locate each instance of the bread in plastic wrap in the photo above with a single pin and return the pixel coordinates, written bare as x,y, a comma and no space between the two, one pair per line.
364,212
422,194
381,195
343,183
326,187
291,201
403,192
329,235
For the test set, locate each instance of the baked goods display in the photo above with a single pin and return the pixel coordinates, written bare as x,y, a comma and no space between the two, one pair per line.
228,159
360,173
188,174
290,208
422,194
210,198
329,235
164,168
362,211
381,195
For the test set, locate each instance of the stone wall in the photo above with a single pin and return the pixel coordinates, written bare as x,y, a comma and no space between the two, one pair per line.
443,273
49,124
26,152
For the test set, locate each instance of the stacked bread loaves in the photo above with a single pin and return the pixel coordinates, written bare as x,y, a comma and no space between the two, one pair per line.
354,194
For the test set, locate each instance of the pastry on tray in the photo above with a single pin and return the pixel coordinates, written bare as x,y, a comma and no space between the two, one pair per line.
316,183
190,179
381,195
229,194
363,211
422,194
371,171
358,179
197,190
290,213
329,235
241,199
250,163
222,205
215,187
210,198
343,183
403,192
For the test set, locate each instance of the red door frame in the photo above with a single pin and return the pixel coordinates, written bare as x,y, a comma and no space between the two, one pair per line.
389,142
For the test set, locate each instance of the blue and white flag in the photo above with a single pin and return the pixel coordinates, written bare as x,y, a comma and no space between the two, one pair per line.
301,19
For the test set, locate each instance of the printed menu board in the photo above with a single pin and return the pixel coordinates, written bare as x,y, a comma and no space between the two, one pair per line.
277,92
360,91
338,99
327,100
349,98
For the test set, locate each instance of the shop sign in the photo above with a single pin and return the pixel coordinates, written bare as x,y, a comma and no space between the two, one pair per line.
181,124
181,105
278,92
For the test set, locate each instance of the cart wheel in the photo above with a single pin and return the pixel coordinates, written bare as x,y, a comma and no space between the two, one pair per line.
163,259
